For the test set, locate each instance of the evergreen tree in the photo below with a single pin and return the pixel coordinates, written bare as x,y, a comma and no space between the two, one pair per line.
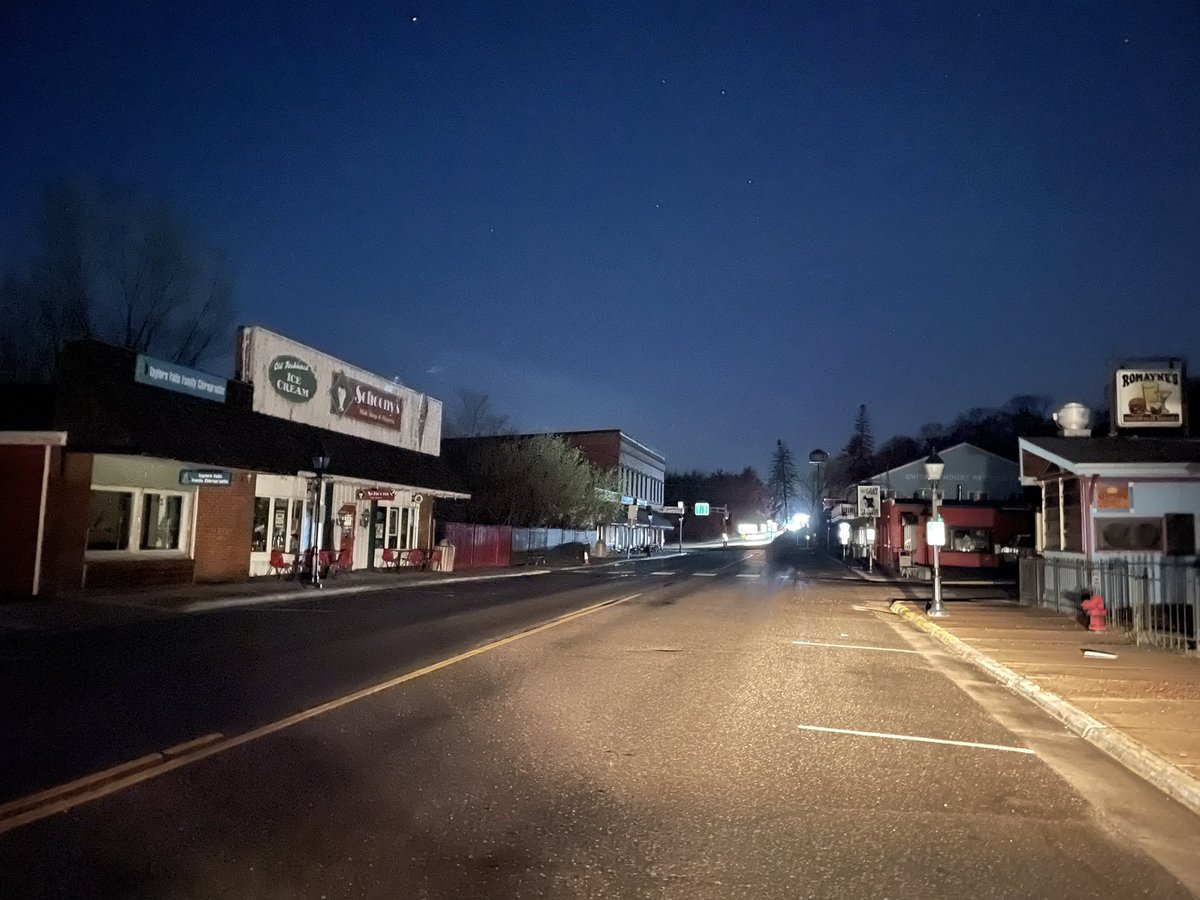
781,484
859,451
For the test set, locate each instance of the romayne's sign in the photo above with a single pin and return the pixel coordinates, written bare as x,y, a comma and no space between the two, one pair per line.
1149,398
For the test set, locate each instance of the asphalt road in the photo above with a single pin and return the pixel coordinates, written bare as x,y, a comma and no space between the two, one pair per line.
732,729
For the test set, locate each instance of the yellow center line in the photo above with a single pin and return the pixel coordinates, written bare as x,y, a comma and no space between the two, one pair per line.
181,756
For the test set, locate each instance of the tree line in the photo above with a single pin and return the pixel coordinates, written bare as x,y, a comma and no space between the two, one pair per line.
995,429
117,265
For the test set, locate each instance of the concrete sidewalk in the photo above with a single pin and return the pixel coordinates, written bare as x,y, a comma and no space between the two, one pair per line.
951,576
1143,707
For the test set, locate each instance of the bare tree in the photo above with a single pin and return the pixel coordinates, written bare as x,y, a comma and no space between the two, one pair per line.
474,416
114,266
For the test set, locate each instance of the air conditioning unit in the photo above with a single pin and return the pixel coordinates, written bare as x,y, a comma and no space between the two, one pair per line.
1129,534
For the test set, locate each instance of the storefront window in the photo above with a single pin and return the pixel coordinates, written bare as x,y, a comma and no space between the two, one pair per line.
393,528
279,524
109,514
297,526
970,540
262,513
401,521
162,518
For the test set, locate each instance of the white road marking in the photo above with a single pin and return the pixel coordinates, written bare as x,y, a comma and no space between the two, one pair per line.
706,574
662,573
61,798
747,575
912,737
853,647
192,744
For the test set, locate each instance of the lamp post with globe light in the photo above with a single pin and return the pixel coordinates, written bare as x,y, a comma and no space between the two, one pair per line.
935,530
320,465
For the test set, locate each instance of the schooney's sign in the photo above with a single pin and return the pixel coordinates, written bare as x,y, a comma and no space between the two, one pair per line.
375,494
358,400
293,379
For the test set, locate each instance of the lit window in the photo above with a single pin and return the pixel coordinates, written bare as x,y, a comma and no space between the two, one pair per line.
109,517
262,514
970,540
162,518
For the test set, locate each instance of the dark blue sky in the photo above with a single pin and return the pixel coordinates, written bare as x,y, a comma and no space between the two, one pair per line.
711,225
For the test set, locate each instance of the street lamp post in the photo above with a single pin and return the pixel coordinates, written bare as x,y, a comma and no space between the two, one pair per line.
935,531
320,466
818,458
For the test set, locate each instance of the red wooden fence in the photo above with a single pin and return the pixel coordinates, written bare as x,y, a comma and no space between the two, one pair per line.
479,546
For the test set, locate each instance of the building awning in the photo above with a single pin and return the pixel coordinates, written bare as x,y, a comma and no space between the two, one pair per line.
1049,457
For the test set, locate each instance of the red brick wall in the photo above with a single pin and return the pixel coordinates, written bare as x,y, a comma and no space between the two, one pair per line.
224,519
70,492
602,448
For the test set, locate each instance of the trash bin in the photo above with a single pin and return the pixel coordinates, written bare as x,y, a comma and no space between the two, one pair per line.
447,550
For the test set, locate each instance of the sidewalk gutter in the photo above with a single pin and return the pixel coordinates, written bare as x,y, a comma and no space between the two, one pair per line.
218,603
201,606
1136,757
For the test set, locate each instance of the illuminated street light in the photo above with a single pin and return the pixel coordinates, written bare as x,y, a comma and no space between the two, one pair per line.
935,531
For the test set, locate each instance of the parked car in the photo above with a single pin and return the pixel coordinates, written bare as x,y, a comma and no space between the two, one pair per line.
1019,547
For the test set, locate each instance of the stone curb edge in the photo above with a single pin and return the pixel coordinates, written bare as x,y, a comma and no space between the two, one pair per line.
1136,757
219,603
201,606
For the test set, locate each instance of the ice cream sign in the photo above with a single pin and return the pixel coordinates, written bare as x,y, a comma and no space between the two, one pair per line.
293,379
349,397
1149,398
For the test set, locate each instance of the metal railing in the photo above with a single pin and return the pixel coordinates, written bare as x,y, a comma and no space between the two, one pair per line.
1155,600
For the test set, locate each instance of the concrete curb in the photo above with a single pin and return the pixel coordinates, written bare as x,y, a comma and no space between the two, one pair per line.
1135,756
201,606
219,603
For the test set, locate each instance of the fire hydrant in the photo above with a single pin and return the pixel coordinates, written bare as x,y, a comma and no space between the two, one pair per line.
1094,607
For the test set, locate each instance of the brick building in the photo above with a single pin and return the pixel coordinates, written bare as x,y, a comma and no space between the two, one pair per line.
130,471
641,474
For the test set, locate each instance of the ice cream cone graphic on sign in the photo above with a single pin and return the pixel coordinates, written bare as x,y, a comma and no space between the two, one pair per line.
339,394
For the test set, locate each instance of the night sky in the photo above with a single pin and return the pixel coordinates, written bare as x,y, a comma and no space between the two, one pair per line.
710,225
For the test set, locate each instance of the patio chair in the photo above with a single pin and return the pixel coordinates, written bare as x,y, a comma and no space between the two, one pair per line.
280,564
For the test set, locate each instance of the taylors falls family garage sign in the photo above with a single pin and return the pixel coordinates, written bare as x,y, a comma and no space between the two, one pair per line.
305,385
